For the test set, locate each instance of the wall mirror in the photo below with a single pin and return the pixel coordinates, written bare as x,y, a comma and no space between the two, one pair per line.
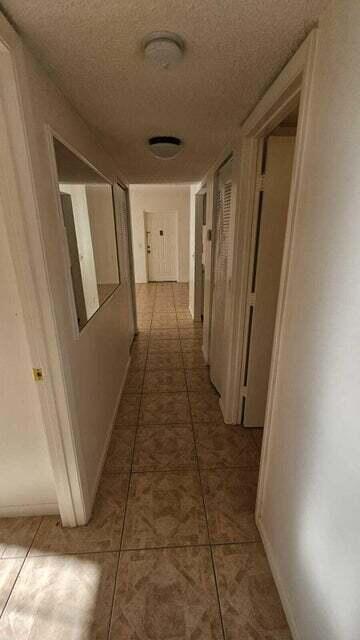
88,213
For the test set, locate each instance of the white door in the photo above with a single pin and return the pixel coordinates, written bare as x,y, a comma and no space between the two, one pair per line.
161,246
219,276
264,288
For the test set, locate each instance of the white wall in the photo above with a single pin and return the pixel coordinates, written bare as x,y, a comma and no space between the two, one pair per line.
93,364
169,199
26,477
311,512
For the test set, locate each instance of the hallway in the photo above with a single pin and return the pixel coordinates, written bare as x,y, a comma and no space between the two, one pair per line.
172,550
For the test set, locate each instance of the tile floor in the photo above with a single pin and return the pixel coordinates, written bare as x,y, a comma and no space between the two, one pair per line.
172,551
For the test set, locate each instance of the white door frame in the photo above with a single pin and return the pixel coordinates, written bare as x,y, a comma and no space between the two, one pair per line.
198,244
172,213
24,232
294,82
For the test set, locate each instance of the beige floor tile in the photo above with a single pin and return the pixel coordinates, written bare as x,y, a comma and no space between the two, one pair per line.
165,321
9,570
257,435
102,533
205,406
164,447
192,345
220,445
164,360
134,381
164,509
164,408
128,411
119,455
230,496
167,311
174,589
16,536
199,380
138,360
191,332
164,380
144,320
142,337
194,360
165,334
61,597
250,603
184,321
157,345
139,349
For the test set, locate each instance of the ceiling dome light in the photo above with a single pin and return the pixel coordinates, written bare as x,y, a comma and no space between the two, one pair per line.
163,48
165,147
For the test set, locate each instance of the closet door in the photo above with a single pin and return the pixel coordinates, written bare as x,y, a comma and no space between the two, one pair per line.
265,277
221,252
124,242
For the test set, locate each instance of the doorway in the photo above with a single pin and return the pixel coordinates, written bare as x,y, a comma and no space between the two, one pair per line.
199,257
161,246
274,174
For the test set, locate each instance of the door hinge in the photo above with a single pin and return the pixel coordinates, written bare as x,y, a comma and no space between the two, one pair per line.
38,375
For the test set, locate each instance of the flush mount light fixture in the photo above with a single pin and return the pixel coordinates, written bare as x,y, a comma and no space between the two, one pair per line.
165,147
163,48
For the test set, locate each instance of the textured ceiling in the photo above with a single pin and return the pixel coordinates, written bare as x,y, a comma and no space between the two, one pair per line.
234,49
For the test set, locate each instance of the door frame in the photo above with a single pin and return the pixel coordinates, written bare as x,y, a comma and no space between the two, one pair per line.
200,203
177,223
294,82
24,234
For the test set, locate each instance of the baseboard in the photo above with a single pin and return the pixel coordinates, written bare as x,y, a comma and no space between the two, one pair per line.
278,580
19,510
93,492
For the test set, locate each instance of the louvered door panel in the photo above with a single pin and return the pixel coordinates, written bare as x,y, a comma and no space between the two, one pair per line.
221,252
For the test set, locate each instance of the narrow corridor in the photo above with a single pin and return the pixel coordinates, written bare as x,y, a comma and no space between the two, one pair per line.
172,550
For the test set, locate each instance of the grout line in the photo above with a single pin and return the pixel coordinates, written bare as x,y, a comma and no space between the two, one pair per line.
207,523
21,568
126,503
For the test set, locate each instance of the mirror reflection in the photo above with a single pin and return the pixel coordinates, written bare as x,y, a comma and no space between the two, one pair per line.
88,213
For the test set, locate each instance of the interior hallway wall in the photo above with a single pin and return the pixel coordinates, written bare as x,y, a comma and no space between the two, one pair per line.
159,198
26,478
311,514
93,364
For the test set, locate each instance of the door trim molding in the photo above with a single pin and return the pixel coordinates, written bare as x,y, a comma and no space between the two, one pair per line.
296,80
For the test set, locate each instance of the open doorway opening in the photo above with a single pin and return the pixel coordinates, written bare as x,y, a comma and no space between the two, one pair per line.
274,175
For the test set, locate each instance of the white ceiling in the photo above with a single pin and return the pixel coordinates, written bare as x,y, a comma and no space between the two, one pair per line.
234,49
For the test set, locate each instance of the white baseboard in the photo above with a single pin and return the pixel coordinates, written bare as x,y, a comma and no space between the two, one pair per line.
19,510
94,488
278,580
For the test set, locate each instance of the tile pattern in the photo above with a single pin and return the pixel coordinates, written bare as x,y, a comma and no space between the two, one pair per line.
177,484
249,601
166,593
